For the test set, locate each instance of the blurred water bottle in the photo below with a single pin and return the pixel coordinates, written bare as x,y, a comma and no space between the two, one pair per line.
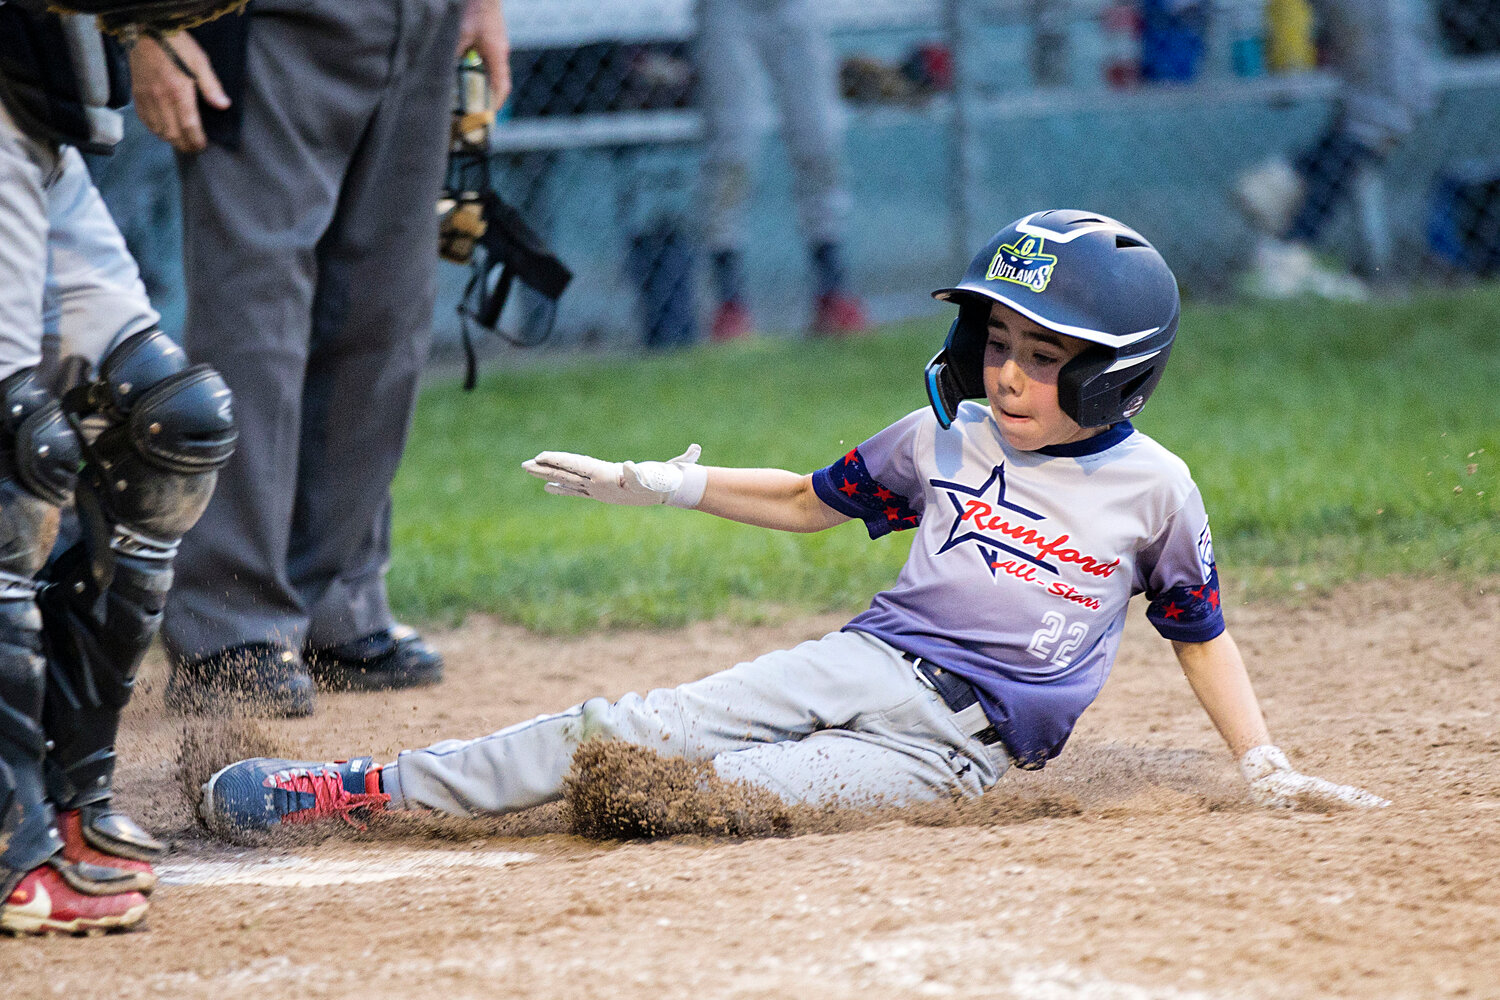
1289,36
1050,51
1120,26
1173,34
1247,44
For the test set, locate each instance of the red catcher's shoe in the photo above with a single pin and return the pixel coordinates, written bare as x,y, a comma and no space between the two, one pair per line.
43,903
123,874
731,322
837,314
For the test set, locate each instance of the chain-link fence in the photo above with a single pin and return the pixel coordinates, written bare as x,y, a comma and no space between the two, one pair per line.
1269,147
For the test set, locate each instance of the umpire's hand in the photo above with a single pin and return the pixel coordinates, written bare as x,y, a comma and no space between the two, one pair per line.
166,78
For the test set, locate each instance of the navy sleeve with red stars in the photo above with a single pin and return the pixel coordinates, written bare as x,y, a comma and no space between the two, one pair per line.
1189,614
848,488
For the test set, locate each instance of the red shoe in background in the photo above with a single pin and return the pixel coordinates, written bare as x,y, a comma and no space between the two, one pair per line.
732,321
838,314
44,903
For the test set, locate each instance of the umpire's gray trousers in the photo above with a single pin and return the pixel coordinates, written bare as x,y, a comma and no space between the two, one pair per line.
310,262
844,719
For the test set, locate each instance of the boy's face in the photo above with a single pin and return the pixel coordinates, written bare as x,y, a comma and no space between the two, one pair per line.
1021,364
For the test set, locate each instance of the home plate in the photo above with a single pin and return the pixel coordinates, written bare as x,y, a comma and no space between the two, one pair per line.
291,870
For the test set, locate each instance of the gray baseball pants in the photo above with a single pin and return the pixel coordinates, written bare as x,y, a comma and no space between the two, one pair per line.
1382,51
844,719
66,270
738,39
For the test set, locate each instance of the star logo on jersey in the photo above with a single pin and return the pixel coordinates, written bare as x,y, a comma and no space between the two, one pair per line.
996,525
1206,550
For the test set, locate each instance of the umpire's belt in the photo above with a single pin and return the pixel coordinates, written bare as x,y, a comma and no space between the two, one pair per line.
958,694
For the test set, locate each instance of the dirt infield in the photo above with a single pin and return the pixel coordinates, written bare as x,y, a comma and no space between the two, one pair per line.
1131,868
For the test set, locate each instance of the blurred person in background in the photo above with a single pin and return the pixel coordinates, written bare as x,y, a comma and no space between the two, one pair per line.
782,38
313,137
1381,51
138,182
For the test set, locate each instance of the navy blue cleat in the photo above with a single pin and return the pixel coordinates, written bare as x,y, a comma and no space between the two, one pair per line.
263,793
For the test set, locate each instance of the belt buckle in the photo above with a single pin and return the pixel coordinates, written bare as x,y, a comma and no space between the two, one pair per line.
922,669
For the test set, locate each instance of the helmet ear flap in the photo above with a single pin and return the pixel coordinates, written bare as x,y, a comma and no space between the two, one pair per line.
967,338
1095,388
942,389
956,373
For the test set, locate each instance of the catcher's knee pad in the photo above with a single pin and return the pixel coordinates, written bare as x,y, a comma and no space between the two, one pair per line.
168,429
39,457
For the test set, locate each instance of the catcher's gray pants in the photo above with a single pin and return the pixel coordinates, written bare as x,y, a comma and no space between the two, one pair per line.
64,269
310,259
842,719
737,39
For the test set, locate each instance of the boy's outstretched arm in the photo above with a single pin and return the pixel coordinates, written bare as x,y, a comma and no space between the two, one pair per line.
767,498
1216,672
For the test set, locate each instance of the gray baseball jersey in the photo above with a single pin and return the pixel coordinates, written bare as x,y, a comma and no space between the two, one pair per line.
1023,562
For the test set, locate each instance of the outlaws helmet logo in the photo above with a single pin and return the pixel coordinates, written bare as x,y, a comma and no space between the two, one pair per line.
1023,263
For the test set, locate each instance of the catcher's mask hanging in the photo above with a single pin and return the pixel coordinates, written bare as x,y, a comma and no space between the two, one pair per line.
516,280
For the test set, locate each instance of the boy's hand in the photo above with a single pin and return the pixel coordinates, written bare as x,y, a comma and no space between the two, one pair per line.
1275,785
678,482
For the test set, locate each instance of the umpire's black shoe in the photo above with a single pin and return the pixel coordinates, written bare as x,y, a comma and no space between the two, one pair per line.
392,658
257,679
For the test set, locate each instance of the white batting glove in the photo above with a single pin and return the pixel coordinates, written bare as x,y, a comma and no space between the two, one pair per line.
1275,785
678,482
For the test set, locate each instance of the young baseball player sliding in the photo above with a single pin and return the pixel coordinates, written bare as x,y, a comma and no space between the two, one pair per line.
1036,518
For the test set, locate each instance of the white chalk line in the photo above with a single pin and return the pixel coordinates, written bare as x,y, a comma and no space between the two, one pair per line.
290,870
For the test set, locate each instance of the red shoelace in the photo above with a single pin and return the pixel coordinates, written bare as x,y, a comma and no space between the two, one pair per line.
330,797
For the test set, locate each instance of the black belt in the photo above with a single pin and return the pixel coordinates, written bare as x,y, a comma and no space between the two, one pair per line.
957,693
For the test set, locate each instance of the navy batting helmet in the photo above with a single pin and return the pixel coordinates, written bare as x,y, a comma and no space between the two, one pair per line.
1075,273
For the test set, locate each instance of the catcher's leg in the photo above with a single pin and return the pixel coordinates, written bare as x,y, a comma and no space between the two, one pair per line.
39,889
147,475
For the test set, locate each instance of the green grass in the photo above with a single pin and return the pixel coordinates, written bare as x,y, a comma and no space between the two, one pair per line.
1331,443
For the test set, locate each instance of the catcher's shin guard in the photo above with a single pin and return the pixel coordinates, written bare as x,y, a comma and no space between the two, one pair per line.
39,457
27,831
147,476
95,641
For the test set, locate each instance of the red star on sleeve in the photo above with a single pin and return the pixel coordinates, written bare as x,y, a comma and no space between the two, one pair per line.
848,489
1213,598
891,513
881,493
1171,611
1197,592
849,458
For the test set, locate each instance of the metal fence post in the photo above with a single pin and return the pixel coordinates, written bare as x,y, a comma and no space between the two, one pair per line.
960,180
